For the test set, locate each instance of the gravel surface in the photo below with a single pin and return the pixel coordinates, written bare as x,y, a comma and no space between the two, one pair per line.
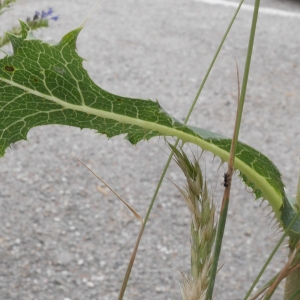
64,236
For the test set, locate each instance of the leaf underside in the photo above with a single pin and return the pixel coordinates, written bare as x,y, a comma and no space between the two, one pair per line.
42,84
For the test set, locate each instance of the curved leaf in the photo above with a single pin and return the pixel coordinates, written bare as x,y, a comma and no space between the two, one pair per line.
43,84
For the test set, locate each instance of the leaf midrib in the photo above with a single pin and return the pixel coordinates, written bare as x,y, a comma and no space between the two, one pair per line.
260,182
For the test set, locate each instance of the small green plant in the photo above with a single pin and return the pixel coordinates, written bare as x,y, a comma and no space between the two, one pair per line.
42,84
39,20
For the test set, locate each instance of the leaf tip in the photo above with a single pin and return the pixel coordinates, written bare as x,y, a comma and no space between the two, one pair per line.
15,39
71,37
25,29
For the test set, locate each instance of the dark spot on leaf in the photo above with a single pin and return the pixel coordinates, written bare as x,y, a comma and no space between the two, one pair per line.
35,80
9,68
119,100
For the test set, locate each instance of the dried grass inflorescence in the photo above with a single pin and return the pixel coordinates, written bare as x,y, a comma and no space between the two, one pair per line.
203,227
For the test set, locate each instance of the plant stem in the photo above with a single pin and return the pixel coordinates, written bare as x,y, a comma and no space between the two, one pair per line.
225,203
292,281
247,64
130,265
212,63
217,250
128,271
271,256
283,273
264,288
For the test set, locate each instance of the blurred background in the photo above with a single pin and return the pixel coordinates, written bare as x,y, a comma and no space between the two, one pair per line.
64,236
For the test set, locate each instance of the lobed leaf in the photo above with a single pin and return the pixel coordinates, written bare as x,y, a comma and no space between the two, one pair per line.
42,84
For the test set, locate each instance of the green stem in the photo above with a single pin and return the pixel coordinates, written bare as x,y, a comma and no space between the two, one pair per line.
247,67
217,250
271,256
129,268
265,287
128,271
223,213
292,281
212,63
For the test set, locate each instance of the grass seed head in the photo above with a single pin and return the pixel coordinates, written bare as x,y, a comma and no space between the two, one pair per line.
203,227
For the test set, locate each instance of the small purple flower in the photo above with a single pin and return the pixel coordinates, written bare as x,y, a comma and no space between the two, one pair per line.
45,14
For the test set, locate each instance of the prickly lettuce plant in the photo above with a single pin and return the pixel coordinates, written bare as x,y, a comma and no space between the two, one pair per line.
42,84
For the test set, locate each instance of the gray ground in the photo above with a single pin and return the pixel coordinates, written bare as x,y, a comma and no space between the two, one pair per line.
61,238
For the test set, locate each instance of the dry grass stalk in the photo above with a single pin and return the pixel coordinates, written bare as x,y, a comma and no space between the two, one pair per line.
203,227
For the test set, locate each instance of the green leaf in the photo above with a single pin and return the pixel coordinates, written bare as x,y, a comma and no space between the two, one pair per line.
288,214
33,24
43,84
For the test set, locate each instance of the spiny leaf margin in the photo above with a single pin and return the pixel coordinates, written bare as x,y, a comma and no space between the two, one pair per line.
43,84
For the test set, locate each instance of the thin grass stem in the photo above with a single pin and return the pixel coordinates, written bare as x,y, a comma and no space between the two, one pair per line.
130,265
264,288
127,275
279,278
217,250
270,257
247,65
113,191
225,202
